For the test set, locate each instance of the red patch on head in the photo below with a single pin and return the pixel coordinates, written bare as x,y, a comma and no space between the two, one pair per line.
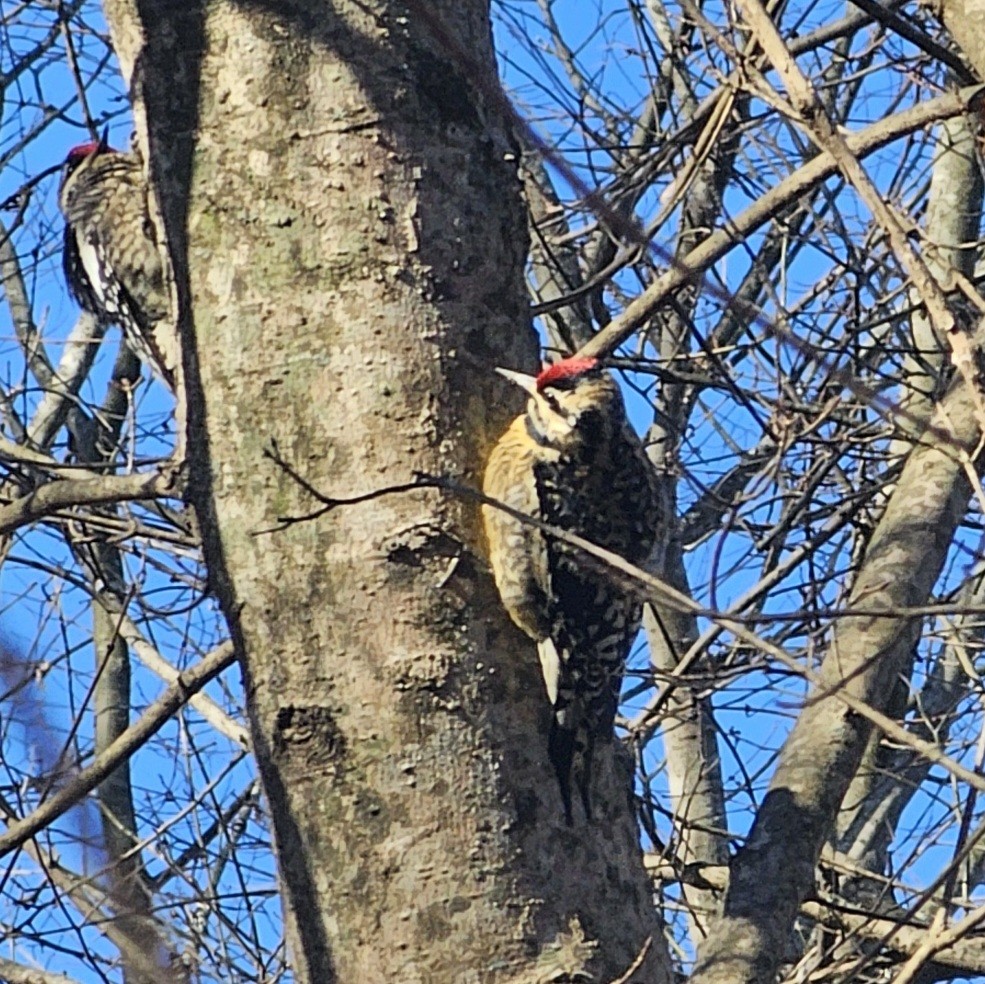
82,151
565,369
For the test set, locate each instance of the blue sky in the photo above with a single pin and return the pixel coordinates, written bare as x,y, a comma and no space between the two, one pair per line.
46,625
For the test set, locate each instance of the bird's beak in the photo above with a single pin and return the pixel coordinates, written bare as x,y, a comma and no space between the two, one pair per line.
528,383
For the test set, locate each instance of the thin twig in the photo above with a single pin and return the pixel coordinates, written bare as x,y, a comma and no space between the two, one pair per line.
156,716
636,964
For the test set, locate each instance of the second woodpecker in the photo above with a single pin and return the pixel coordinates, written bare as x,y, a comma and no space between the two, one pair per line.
111,257
573,462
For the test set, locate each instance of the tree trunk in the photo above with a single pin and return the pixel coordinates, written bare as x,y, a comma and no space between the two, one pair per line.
339,190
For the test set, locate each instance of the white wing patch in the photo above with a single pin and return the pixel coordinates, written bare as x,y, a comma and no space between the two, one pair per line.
550,666
89,258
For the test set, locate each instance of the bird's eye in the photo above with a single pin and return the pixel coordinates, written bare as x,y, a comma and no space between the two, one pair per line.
565,383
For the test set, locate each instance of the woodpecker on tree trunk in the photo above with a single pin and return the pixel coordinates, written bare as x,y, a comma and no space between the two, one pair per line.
111,258
573,462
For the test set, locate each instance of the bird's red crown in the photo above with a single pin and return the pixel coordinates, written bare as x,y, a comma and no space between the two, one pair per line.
82,151
565,369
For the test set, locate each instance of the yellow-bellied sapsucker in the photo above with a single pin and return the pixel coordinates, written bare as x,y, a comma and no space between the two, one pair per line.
111,258
573,462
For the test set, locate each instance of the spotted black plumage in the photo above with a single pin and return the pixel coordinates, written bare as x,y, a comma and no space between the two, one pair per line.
572,461
111,259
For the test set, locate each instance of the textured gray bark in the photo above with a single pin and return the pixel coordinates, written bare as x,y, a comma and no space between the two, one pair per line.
342,202
953,215
965,20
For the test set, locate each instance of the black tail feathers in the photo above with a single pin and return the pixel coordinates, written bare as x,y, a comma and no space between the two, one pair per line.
571,748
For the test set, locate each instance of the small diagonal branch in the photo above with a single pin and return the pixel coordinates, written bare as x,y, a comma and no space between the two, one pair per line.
96,909
22,456
12,279
328,503
153,719
938,938
690,267
822,130
73,63
636,964
903,936
60,391
15,973
653,590
157,664
98,490
555,278
705,515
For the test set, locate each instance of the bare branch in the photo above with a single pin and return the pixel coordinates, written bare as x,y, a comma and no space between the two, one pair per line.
189,682
97,490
